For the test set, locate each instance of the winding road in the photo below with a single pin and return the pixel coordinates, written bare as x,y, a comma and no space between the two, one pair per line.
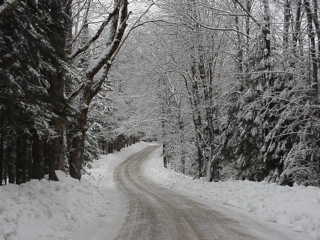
156,213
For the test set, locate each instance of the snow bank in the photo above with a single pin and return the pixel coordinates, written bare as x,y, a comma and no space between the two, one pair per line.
297,207
91,209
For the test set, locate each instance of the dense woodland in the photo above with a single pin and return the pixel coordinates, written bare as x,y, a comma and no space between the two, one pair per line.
48,84
229,87
248,82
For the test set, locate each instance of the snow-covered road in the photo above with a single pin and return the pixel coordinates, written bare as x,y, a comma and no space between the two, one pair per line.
154,203
158,213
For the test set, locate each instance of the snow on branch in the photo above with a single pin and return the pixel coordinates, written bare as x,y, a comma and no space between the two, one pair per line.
106,56
96,36
248,12
115,47
135,25
217,29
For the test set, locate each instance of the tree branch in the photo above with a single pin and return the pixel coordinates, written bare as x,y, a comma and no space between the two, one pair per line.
106,56
117,48
217,29
135,25
248,13
95,37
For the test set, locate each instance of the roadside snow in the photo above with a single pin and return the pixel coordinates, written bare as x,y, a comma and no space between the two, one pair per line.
295,207
91,209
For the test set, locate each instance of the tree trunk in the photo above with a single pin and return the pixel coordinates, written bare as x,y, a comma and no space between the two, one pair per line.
286,26
93,86
21,158
316,22
10,159
297,28
75,155
68,27
239,61
38,157
248,8
164,154
182,141
313,54
162,84
1,149
267,33
77,141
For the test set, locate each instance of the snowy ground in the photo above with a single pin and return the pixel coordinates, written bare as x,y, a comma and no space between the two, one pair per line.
95,208
290,208
41,210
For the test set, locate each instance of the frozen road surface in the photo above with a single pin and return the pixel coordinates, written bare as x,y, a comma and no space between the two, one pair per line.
157,213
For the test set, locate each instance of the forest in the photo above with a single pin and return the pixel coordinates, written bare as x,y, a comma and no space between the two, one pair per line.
229,88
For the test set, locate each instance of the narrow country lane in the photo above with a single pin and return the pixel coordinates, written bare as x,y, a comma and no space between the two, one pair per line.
156,213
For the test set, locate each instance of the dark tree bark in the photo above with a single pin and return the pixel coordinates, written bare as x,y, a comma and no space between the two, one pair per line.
286,26
50,166
313,53
68,27
37,171
267,33
164,154
248,8
1,148
20,158
162,94
297,27
315,18
182,140
239,46
10,159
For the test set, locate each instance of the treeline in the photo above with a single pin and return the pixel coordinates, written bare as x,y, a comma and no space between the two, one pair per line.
246,77
115,145
45,94
31,104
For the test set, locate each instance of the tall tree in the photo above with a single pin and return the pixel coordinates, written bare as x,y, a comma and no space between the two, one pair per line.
91,84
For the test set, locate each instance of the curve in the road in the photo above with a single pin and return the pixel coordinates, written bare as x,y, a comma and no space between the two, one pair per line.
156,213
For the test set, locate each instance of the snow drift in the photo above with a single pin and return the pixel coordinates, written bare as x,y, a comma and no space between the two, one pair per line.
42,210
295,207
